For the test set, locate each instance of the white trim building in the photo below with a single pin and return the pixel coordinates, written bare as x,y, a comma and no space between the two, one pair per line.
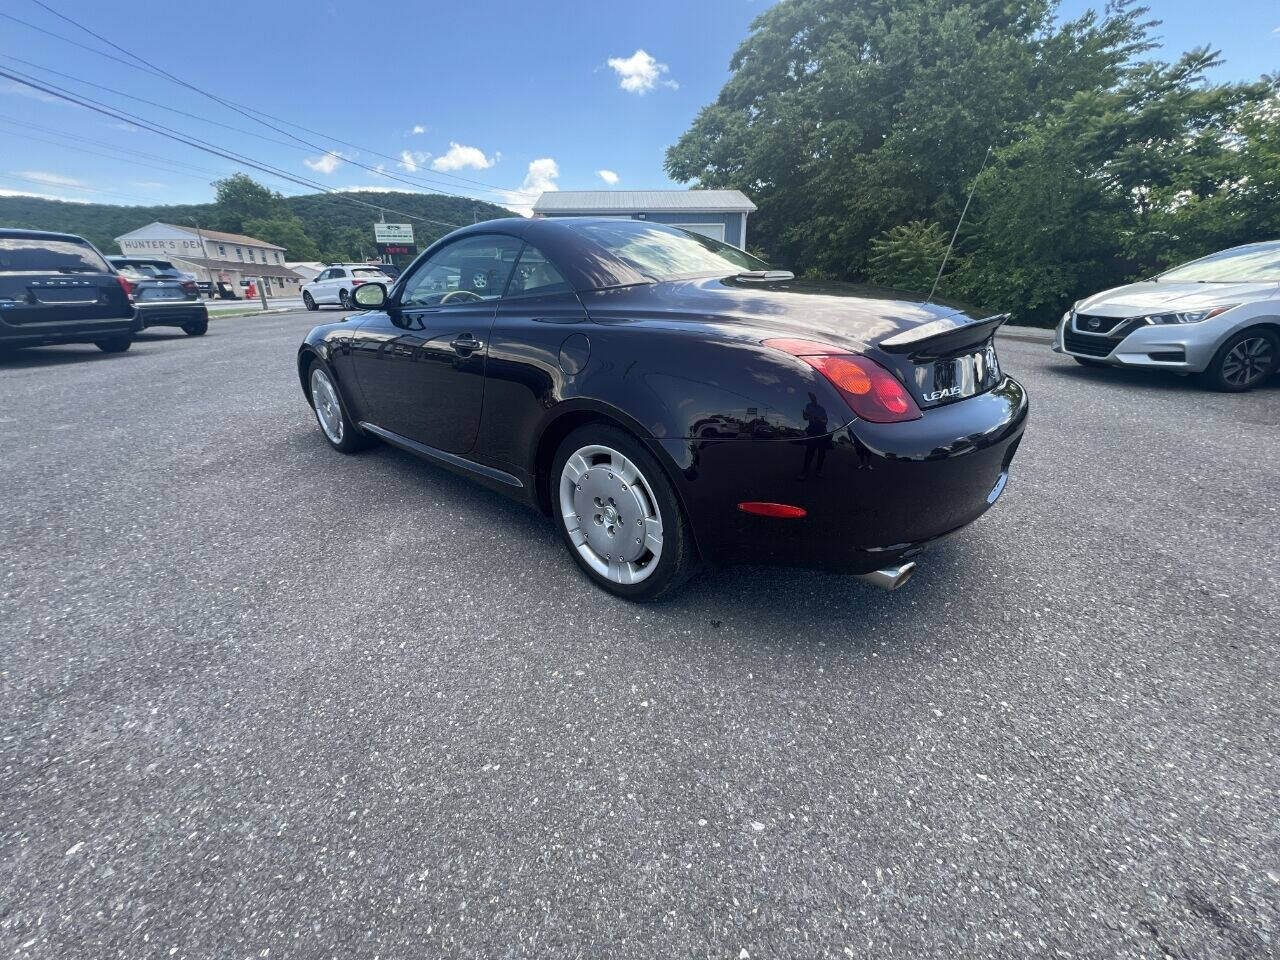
720,214
214,256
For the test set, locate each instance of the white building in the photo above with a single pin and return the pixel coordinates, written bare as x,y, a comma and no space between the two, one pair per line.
308,270
212,255
719,214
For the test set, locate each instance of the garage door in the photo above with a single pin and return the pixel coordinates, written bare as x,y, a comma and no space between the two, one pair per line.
713,230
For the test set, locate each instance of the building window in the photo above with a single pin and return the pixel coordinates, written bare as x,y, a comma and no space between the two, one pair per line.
278,260
251,258
239,254
222,251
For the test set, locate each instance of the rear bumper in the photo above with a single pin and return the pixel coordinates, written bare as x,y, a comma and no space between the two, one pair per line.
172,313
66,331
874,494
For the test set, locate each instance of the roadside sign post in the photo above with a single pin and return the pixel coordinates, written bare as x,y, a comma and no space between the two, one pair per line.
262,291
393,238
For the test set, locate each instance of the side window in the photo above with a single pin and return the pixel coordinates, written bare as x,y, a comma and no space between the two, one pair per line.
322,275
467,271
536,276
336,272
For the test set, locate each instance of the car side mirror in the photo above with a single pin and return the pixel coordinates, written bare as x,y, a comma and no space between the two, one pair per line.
371,295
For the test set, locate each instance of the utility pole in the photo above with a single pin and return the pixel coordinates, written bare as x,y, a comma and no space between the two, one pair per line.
204,253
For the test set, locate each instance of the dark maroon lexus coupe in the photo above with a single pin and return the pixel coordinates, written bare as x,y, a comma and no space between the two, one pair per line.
670,400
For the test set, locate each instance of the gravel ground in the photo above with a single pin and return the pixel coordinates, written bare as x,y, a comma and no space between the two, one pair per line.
263,700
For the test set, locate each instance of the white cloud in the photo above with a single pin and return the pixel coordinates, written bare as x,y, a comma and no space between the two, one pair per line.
541,178
326,163
42,196
459,157
22,90
608,176
53,179
412,160
151,185
417,129
640,73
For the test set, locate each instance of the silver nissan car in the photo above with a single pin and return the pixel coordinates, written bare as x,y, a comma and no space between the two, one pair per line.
1218,317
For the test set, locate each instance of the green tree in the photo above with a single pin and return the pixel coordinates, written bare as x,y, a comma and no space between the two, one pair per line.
288,232
908,256
240,198
1121,182
843,120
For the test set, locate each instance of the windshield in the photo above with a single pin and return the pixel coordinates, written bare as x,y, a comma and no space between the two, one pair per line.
1256,263
367,272
28,254
668,253
146,268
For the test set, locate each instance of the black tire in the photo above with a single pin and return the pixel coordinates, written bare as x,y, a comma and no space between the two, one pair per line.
1088,363
197,329
308,302
344,301
1245,361
114,344
351,439
677,561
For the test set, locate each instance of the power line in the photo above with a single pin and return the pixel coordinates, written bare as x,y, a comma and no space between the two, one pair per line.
106,156
416,182
74,43
106,110
245,112
68,186
126,155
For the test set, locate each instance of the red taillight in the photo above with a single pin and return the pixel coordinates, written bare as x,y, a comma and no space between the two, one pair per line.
356,283
871,391
762,508
190,286
125,285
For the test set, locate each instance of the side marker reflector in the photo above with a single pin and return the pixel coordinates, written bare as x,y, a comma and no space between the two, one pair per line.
763,509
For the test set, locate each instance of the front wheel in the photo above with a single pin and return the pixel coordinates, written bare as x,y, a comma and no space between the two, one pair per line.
344,300
619,516
1244,361
114,344
342,434
309,303
197,329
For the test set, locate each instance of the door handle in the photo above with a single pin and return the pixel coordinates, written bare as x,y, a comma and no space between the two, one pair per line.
466,343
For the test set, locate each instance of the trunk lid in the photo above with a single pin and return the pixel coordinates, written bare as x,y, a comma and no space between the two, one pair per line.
940,351
51,279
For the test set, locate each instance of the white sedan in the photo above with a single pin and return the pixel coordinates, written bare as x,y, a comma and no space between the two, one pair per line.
1218,316
336,283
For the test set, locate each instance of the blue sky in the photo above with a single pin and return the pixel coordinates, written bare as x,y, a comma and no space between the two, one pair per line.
495,100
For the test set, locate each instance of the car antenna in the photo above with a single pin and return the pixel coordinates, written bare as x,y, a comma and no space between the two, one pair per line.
956,232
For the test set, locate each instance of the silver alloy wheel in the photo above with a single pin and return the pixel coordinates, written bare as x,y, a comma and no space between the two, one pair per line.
611,514
324,397
1247,362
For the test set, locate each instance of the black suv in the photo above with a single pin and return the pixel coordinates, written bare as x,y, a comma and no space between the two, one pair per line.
163,296
57,288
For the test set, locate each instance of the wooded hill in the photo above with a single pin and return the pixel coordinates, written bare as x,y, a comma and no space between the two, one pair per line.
334,224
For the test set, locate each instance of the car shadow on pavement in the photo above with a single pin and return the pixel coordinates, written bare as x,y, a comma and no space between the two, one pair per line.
1137,376
740,592
56,355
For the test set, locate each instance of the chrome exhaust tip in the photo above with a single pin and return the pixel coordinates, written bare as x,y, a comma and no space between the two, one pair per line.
890,578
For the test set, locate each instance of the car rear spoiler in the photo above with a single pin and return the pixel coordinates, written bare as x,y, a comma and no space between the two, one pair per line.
945,336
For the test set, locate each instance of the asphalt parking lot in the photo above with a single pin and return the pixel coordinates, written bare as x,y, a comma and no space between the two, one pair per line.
263,700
